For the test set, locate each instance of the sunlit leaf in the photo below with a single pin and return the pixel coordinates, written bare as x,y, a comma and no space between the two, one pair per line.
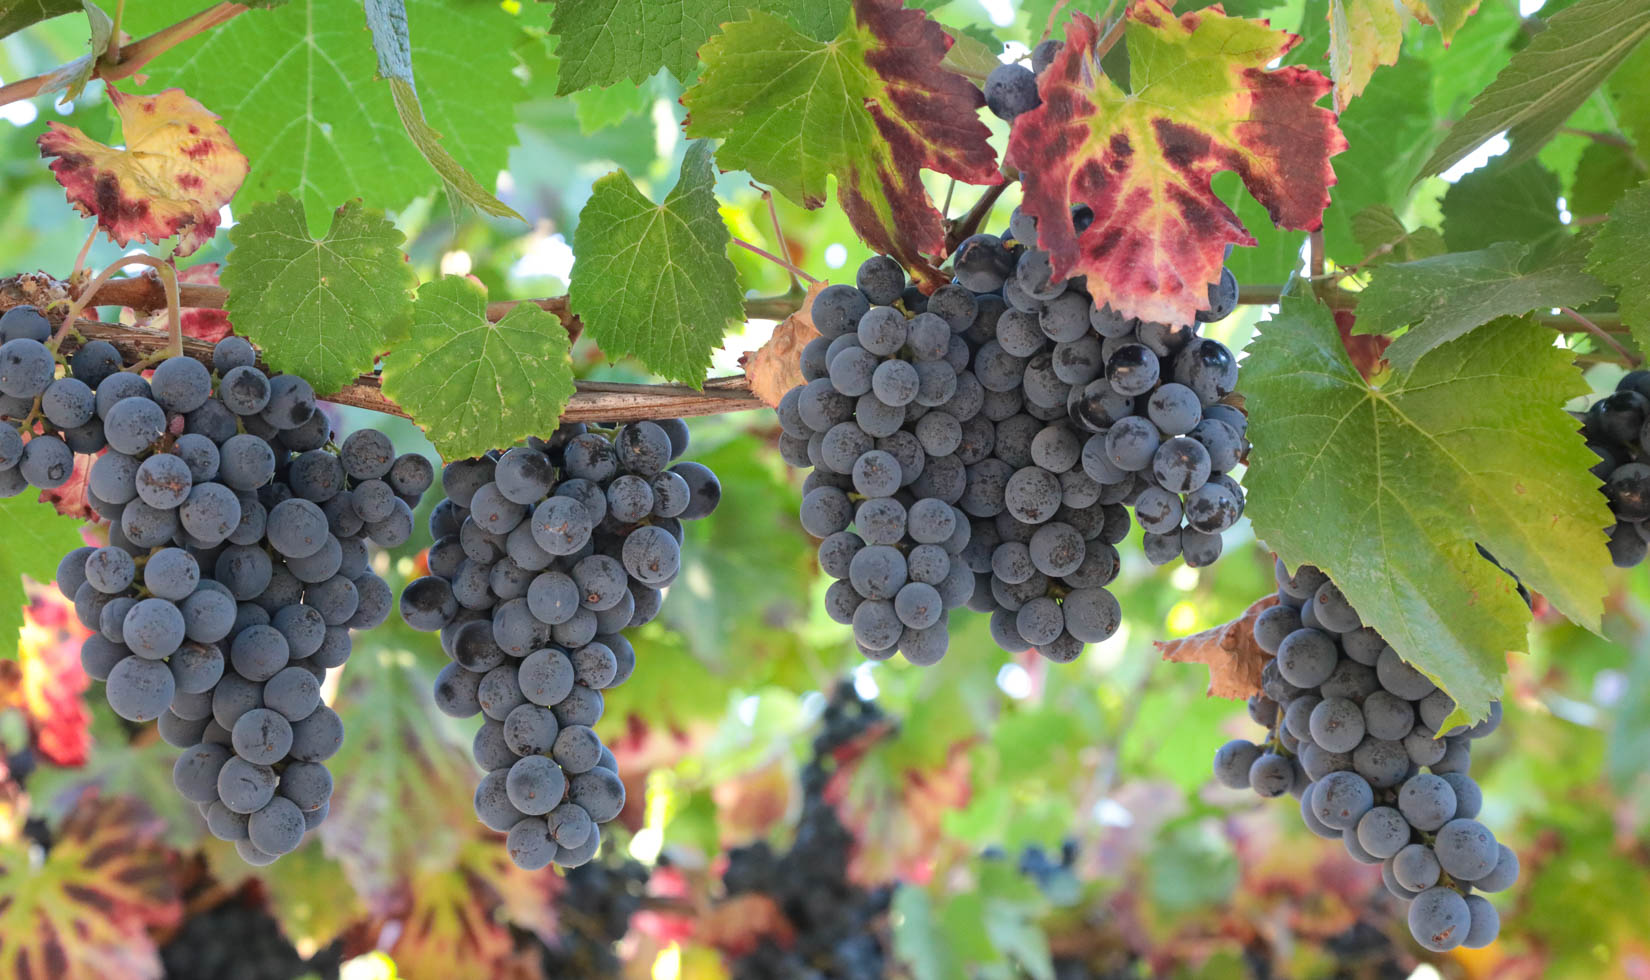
176,169
1390,489
653,280
84,911
473,385
320,308
1364,34
37,538
1201,101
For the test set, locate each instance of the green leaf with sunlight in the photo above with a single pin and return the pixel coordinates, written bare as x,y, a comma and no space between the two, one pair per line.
297,88
321,308
1389,488
1547,80
653,280
473,385
605,41
37,538
1447,296
1618,257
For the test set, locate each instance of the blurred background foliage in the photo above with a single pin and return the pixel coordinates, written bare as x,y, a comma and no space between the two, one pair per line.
1170,875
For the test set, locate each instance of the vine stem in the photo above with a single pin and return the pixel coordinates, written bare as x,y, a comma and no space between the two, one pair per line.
1594,329
135,55
169,278
785,264
969,223
778,236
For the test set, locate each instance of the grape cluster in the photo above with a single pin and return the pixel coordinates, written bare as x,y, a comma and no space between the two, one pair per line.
834,919
981,446
235,569
543,556
1354,733
239,938
594,912
1617,428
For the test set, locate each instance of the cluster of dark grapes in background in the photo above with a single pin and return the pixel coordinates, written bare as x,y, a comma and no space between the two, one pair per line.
236,564
593,912
1355,734
544,554
981,446
836,922
239,938
1617,428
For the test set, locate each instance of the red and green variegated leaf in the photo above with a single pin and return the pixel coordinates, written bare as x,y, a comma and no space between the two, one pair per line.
894,811
873,108
85,910
452,919
53,685
1202,101
177,168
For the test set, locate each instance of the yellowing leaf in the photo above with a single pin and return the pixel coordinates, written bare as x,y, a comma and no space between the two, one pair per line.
1201,101
1363,35
776,366
178,168
83,913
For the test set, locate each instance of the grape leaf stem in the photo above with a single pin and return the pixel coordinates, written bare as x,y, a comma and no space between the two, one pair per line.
134,56
1595,330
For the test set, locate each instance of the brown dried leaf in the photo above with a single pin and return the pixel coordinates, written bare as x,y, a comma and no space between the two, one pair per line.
1229,651
776,367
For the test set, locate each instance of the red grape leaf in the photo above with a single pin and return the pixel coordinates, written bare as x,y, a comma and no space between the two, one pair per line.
1234,660
84,911
50,680
203,324
178,167
1202,102
874,107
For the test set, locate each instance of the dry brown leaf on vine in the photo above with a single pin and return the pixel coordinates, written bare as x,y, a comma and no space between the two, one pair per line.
1229,651
176,171
776,366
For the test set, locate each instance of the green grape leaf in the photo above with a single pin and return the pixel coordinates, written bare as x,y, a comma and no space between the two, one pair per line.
37,538
472,385
323,309
297,88
653,280
83,910
1618,258
1387,138
606,41
1446,296
873,108
1603,174
1548,80
1502,203
1383,239
18,14
598,108
73,76
388,21
1389,488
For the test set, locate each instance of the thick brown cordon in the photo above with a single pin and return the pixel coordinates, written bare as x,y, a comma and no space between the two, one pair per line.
594,401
